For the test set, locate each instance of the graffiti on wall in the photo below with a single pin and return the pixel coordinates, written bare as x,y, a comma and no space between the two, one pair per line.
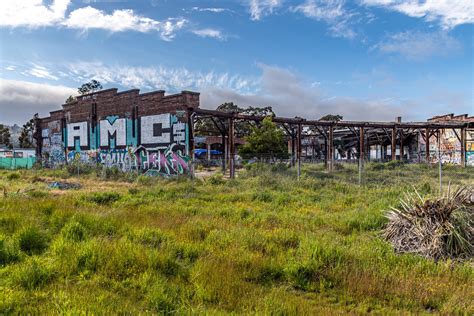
158,143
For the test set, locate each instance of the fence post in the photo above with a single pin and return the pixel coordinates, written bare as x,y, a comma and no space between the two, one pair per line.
361,153
298,149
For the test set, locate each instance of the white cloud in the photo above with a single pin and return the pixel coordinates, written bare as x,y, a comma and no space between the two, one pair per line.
331,12
418,45
34,13
261,8
10,68
212,33
20,100
291,95
172,79
31,13
40,72
121,20
449,13
213,10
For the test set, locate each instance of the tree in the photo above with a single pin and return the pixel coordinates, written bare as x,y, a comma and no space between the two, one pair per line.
206,126
265,141
89,87
26,136
70,99
5,136
331,117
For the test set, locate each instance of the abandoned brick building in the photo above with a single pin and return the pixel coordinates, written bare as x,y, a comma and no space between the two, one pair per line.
124,129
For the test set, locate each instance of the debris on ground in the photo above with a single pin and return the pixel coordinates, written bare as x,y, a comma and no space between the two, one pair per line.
438,228
64,185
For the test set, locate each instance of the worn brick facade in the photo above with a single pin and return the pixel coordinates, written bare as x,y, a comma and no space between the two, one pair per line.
126,129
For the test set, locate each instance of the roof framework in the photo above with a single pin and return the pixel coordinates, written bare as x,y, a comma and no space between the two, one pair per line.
365,133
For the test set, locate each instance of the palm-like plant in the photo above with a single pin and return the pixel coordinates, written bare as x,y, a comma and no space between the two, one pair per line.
440,227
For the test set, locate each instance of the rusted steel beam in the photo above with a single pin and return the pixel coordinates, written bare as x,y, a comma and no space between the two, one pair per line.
331,149
402,150
231,148
361,147
335,123
394,144
427,145
463,147
298,148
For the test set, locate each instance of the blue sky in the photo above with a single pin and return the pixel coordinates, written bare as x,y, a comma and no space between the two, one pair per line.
364,59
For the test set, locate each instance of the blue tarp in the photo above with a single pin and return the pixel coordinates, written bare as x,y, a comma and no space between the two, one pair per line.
201,151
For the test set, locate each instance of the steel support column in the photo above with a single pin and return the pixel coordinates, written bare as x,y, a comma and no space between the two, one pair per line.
231,148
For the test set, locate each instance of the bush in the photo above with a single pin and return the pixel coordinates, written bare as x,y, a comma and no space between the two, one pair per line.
441,227
33,241
103,198
216,179
13,176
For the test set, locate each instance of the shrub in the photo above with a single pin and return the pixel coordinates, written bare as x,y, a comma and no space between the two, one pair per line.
442,227
33,241
103,198
216,179
13,176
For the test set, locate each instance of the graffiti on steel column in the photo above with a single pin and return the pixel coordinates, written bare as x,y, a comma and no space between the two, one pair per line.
156,142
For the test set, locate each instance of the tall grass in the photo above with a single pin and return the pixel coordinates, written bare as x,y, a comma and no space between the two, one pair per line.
261,244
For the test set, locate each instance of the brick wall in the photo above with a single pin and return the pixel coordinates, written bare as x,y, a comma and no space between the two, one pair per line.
125,129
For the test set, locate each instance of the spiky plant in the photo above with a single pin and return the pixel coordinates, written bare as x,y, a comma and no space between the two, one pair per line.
439,227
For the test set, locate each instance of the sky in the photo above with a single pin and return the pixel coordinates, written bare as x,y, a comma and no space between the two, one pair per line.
362,59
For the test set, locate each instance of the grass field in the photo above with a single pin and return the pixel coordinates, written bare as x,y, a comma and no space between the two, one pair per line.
264,243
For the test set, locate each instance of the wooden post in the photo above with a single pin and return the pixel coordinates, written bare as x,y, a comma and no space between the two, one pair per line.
331,149
394,144
298,149
463,147
427,145
231,148
361,153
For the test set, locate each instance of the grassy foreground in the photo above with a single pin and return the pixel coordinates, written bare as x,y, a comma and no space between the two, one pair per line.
264,243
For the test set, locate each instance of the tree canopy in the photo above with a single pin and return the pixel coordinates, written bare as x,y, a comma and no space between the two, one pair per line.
5,136
89,87
265,141
206,126
26,136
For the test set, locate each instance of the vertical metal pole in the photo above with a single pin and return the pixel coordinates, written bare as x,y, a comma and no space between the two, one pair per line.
427,145
440,164
331,149
298,150
231,148
394,144
463,147
361,153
